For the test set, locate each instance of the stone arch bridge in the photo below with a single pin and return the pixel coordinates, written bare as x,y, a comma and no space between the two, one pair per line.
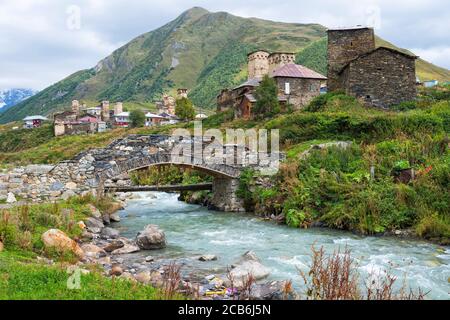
92,170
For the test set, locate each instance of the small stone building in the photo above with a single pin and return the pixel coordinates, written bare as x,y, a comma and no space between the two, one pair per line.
380,77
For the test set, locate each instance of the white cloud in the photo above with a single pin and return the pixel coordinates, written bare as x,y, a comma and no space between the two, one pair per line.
37,49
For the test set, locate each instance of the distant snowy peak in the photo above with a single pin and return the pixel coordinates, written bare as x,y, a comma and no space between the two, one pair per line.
11,97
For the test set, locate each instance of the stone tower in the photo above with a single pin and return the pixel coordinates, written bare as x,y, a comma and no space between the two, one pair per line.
258,64
118,108
345,45
105,110
182,93
279,59
76,106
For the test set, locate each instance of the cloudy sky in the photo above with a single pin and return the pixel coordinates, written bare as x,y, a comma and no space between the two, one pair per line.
43,41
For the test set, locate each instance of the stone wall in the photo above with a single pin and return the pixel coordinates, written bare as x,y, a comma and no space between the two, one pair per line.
36,183
382,78
344,46
303,90
224,196
258,64
279,59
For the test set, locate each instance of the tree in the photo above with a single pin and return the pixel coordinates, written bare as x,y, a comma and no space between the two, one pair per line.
184,109
137,118
266,95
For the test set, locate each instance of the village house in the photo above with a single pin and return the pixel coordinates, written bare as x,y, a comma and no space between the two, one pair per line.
122,119
297,85
152,119
82,120
31,122
380,77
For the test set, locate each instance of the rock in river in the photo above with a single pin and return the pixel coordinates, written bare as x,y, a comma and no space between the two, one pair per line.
128,248
208,257
151,238
114,245
110,233
93,223
248,264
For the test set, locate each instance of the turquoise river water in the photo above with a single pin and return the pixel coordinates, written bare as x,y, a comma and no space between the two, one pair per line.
192,230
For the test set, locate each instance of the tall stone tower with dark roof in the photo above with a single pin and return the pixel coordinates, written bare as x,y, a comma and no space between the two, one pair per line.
345,45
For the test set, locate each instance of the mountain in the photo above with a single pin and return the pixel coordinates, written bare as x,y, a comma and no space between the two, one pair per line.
11,97
199,50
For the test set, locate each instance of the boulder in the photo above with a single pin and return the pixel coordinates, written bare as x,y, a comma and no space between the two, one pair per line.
94,211
94,223
114,245
143,277
248,264
110,233
149,259
116,270
208,257
151,238
11,198
87,236
93,251
128,248
106,219
114,217
58,240
275,290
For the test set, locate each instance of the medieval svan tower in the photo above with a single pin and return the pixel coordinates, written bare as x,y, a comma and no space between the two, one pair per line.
380,77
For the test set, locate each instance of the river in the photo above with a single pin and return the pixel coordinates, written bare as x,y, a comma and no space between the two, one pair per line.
192,230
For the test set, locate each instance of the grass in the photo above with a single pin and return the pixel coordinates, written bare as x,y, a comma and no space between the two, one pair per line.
334,186
21,278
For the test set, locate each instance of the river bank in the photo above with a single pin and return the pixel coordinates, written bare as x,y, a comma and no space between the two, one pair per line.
193,231
204,246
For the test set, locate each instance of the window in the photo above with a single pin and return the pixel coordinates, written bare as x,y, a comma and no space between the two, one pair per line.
312,87
287,88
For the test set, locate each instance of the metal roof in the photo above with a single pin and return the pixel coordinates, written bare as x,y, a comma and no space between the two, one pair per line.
254,82
30,118
297,71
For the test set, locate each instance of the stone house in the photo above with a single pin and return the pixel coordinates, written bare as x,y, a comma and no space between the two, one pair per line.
380,77
297,85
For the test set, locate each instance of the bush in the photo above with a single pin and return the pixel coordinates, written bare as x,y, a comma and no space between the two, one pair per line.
405,106
137,118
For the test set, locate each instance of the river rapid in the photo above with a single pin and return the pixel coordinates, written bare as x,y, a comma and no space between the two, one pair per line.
192,230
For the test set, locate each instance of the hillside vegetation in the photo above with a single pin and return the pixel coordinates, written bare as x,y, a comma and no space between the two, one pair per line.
199,50
334,187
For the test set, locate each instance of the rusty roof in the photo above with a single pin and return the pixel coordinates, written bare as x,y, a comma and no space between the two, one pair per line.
297,71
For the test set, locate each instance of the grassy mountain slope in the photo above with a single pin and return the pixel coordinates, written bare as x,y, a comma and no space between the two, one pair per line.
199,50
182,53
